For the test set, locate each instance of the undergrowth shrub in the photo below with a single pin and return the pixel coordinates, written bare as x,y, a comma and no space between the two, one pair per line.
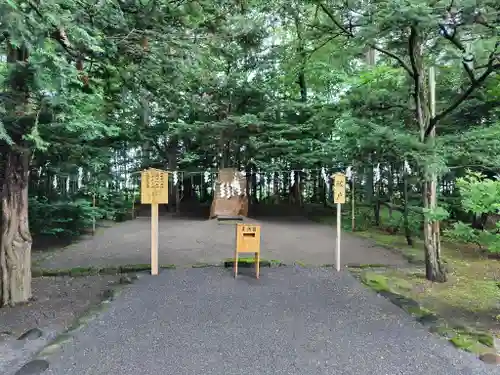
481,197
63,218
116,206
394,222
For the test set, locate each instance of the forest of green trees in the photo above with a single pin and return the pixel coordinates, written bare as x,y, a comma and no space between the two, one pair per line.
403,94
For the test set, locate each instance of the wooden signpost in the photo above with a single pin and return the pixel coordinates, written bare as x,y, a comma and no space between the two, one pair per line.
247,241
154,191
339,199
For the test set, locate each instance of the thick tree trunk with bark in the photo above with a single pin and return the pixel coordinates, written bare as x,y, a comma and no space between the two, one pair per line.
15,240
15,237
434,268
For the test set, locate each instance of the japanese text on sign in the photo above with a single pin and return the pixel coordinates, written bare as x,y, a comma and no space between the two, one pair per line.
154,186
249,228
339,188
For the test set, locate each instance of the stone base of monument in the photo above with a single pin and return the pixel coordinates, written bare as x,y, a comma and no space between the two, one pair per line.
229,219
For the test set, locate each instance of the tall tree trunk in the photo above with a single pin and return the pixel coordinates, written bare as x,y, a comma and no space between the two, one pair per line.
145,122
15,240
406,221
433,265
376,203
315,186
434,268
369,188
302,83
172,151
253,197
390,188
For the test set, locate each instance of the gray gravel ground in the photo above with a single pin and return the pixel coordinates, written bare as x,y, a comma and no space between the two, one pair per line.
58,301
185,242
291,321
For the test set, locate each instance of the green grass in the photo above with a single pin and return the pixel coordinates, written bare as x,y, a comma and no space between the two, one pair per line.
464,309
398,290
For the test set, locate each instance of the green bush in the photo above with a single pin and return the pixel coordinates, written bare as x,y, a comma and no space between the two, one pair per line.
392,223
480,196
63,218
363,219
114,205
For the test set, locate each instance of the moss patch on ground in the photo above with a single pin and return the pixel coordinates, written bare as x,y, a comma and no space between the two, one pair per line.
91,271
250,262
464,309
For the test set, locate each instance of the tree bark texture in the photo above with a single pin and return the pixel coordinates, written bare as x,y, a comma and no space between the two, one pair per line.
15,240
433,265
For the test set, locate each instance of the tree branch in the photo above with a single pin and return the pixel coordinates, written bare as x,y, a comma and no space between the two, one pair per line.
348,33
401,62
477,82
4,36
321,45
453,39
337,23
59,35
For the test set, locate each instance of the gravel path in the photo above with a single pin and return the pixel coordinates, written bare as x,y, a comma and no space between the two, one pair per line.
185,242
291,321
58,301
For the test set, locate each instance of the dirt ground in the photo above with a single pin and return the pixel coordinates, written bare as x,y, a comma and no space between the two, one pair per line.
57,302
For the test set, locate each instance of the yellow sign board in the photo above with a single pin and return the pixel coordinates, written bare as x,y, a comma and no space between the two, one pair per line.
247,238
247,241
154,186
339,188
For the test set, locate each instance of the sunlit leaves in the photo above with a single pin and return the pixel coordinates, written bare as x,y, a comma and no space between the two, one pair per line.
480,196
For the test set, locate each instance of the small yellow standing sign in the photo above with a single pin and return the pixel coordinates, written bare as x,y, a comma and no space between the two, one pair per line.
247,241
154,191
339,188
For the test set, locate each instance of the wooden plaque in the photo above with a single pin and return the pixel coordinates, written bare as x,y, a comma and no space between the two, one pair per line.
154,186
339,181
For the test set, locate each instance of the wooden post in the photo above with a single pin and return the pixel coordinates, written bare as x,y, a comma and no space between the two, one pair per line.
432,105
339,218
339,180
257,264
235,265
154,239
154,191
